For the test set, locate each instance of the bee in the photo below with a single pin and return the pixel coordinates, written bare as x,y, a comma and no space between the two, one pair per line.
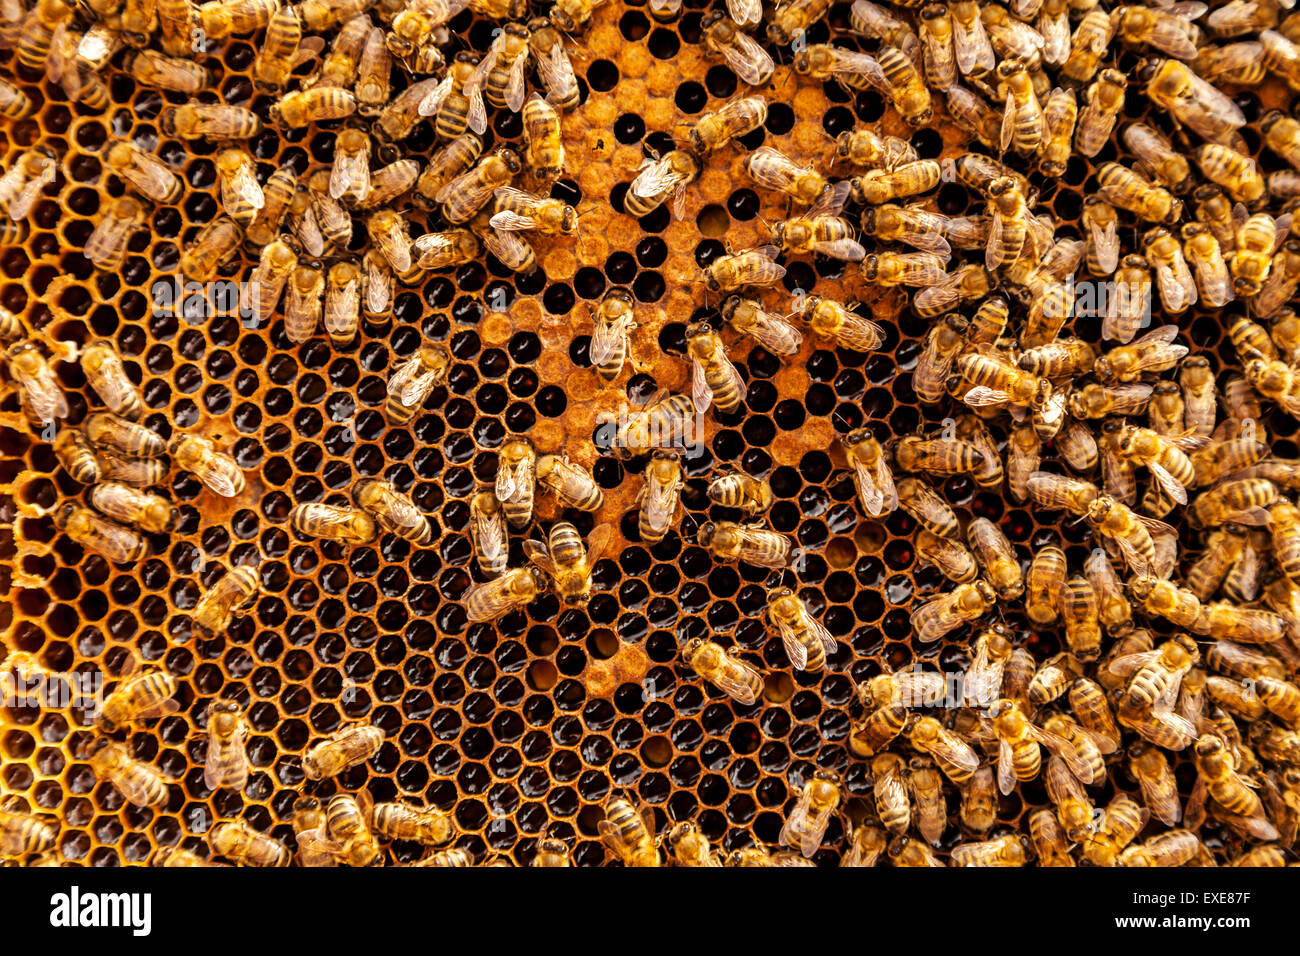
501,72
398,119
929,510
612,323
995,382
315,848
574,487
1192,101
868,149
140,472
747,59
728,541
629,833
345,748
738,117
833,320
771,331
1242,501
1159,160
979,801
303,303
661,496
215,122
347,826
217,470
662,180
468,193
948,751
724,669
388,232
553,852
276,263
1048,840
806,640
553,66
938,54
1241,661
1043,584
879,186
511,590
1009,850
1172,848
393,511
39,27
144,172
1060,115
516,476
1170,33
1130,303
967,282
750,268
818,801
342,302
966,602
1282,136
567,561
735,489
1163,456
1236,174
521,211
141,784
341,523
219,603
443,250
146,511
1203,253
106,246
853,70
282,51
177,856
238,841
688,846
304,107
1092,711
241,195
277,196
450,162
373,88
1024,454
1103,102
76,456
952,558
942,344
226,764
1063,358
887,699
141,697
772,169
22,184
1154,676
1022,119
1218,778
42,398
1251,261
571,15
664,421
216,243
1058,492
1080,611
890,790
1019,756
1279,288
791,21
544,149
350,173
1127,190
488,531
1153,352
714,380
116,543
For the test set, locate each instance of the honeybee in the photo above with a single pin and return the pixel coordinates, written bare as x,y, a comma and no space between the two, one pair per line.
521,211
1205,256
1237,175
629,833
1103,102
735,489
750,268
688,846
398,119
141,784
488,530
662,180
1153,352
342,312
1217,777
772,169
818,801
938,616
611,325
226,764
23,833
42,398
890,792
752,544
714,380
790,21
1124,188
574,487
741,52
553,66
106,246
315,848
664,421
806,640
219,603
1043,585
724,669
146,511
567,561
833,320
76,456
241,195
967,282
145,172
22,184
277,195
215,244
443,250
1194,102
887,699
511,590
393,511
930,511
516,475
347,826
879,186
1159,159
282,51
468,193
341,523
867,149
217,470
303,303
736,118
214,122
1173,848
116,543
139,472
942,344
238,841
544,149
661,496
1019,757
1251,261
952,558
304,107
949,752
1009,850
345,748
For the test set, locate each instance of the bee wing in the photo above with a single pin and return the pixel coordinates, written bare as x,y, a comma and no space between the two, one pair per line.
1105,245
1128,665
819,631
31,190
316,849
162,708
379,287
982,396
1006,772
701,393
1161,801
1056,37
679,200
598,541
1170,37
403,375
508,221
491,534
814,832
654,179
477,111
244,185
515,87
1170,278
1008,122
749,60
432,102
556,72
850,250
44,395
858,332
869,490
518,482
831,201
992,247
1060,747
537,553
776,334
746,13
926,233
1168,483
660,503
350,174
850,63
797,653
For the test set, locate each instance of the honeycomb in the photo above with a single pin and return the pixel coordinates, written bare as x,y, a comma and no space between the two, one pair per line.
522,727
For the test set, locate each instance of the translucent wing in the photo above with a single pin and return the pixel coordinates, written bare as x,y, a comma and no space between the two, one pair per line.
660,503
598,541
379,291
1008,123
820,633
654,179
44,395
1171,278
797,653
243,185
432,102
1168,483
851,63
491,536
351,174
982,396
831,201
30,192
556,73
869,490
537,553
993,248
508,221
927,232
745,12
1128,665
1105,245
1170,36
749,60
777,335
515,484
515,88
477,111
1006,772
1060,747
850,250
701,393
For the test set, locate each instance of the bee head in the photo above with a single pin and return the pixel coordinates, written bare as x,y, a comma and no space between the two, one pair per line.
705,535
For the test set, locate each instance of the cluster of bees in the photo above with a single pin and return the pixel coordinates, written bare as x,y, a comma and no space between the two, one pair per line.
1166,649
